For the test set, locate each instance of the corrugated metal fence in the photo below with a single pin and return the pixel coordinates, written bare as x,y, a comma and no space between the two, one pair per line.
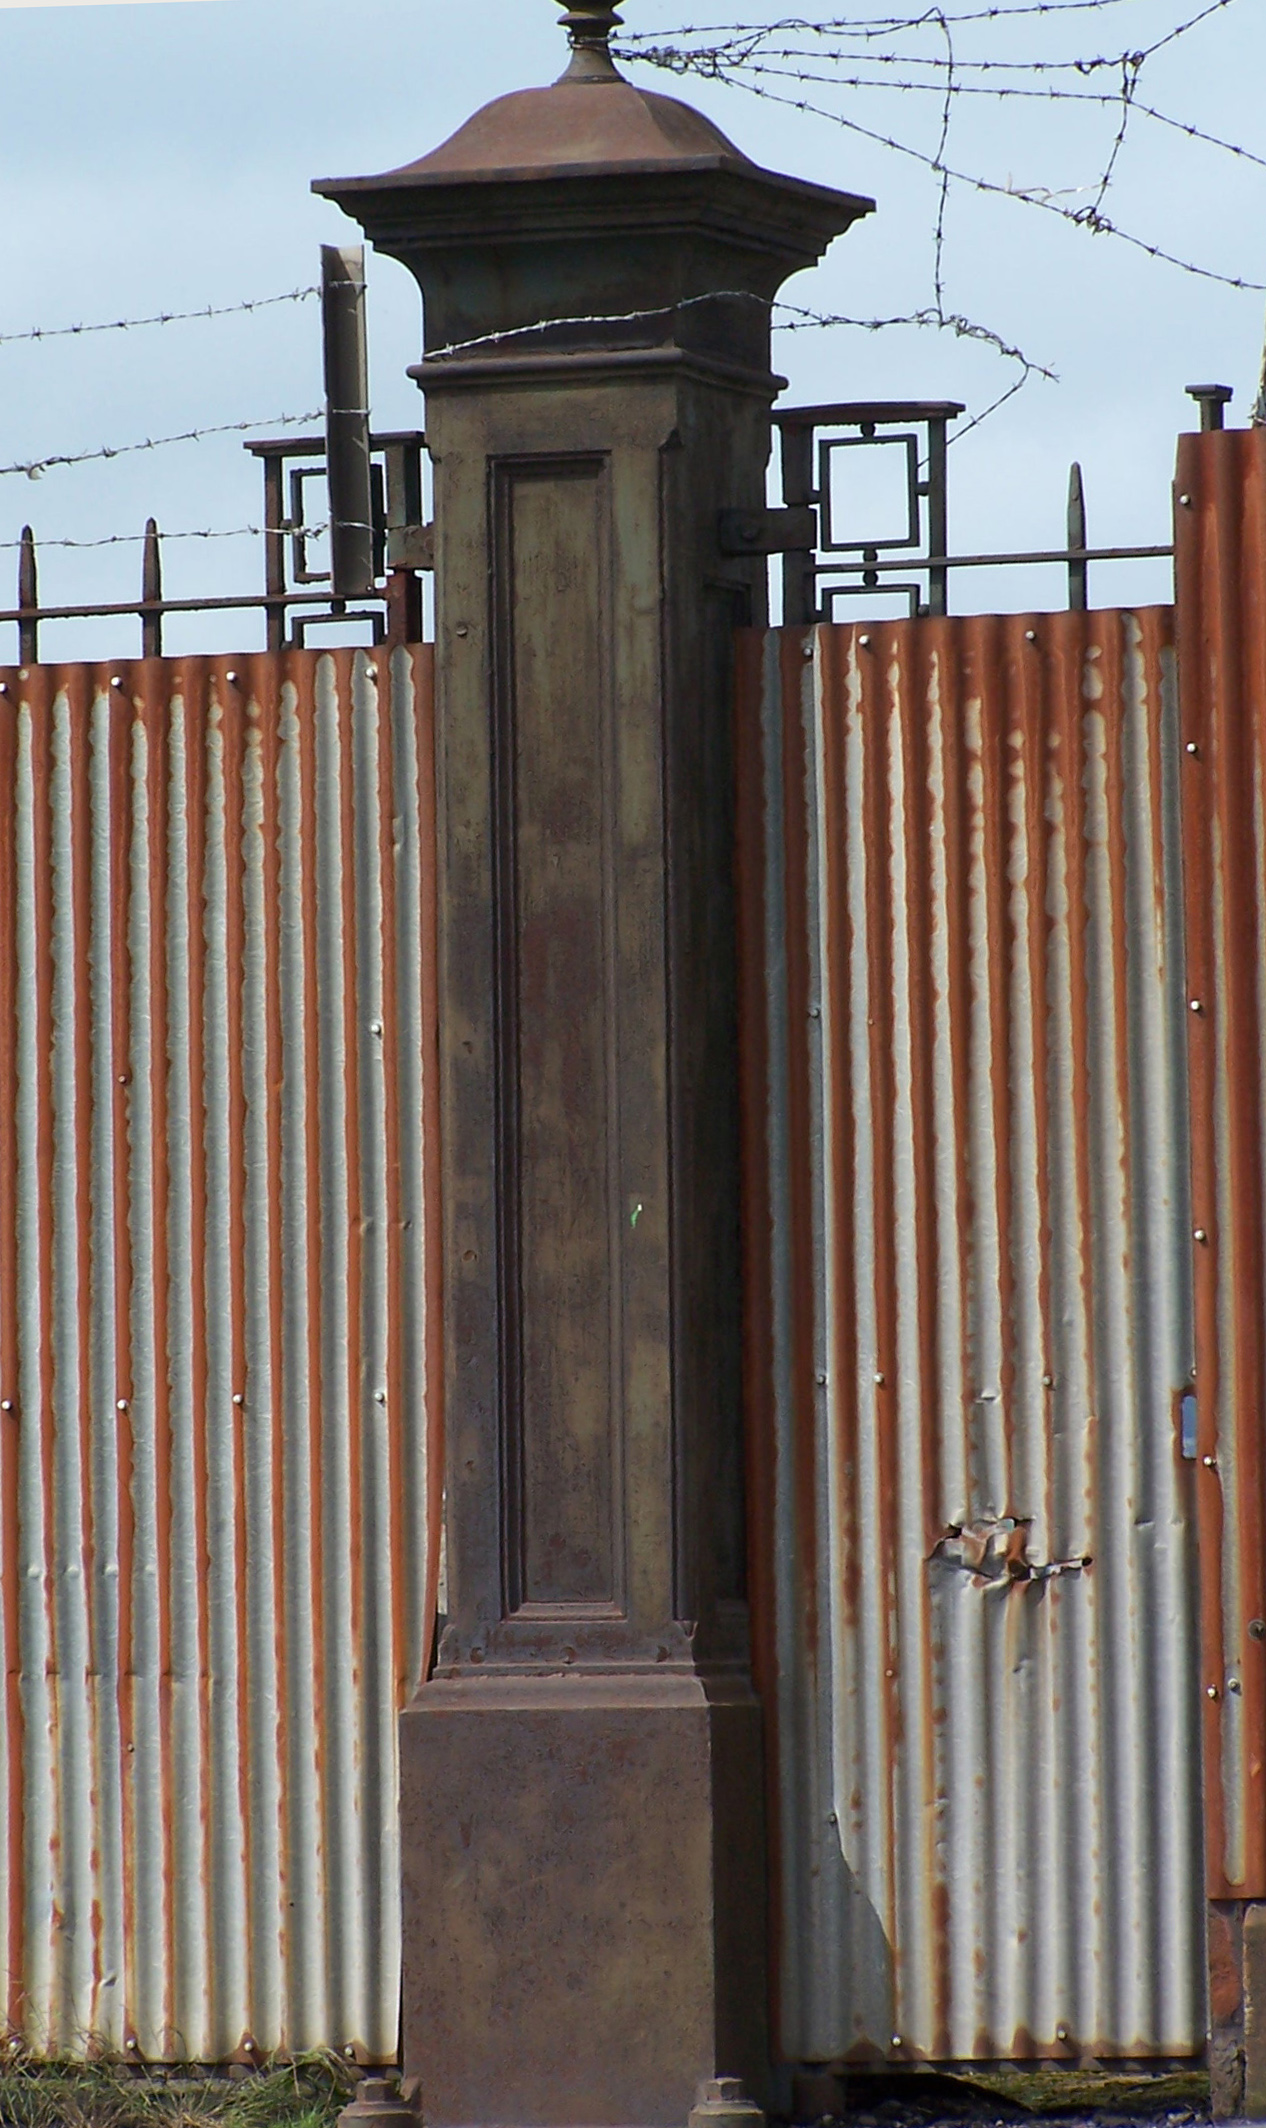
216,1319
970,1325
1221,573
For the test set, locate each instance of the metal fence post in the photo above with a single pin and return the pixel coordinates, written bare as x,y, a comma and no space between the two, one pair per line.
582,1840
28,599
1078,571
151,592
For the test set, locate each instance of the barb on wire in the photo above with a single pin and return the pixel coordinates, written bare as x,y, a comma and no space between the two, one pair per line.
160,317
34,467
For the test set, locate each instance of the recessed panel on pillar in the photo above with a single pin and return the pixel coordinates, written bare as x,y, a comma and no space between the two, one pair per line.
556,1036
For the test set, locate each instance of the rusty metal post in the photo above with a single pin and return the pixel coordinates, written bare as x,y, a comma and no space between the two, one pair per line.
1220,580
584,1882
28,600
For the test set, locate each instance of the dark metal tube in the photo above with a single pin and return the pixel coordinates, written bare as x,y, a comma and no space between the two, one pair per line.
1078,574
347,420
151,593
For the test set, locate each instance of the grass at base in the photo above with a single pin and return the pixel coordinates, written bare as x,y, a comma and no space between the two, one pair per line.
1047,2087
308,2092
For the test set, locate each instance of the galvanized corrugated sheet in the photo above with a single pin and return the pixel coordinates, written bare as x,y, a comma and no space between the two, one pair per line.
1221,575
970,1335
217,1329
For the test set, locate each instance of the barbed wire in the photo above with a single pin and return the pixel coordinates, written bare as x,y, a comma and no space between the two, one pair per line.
34,467
774,60
160,317
138,539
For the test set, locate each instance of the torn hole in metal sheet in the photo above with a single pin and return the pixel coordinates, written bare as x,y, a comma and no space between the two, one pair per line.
995,1552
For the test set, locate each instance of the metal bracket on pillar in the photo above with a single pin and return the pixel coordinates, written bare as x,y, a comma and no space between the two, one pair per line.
787,531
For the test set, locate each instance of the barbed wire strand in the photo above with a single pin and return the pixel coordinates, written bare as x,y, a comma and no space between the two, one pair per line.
1034,196
34,467
138,539
751,56
161,317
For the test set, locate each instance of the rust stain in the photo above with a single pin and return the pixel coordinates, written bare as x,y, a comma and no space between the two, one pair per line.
1220,565
117,1511
981,885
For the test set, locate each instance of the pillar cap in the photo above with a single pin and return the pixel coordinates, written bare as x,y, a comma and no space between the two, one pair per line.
586,199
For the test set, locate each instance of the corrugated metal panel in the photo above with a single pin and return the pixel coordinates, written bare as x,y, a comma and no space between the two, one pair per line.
217,1329
1221,574
970,1335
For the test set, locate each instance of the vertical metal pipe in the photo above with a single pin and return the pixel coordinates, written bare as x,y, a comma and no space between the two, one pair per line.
151,590
347,420
938,512
1078,571
28,600
274,552
799,588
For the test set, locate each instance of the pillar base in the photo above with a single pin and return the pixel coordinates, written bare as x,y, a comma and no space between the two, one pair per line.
583,1872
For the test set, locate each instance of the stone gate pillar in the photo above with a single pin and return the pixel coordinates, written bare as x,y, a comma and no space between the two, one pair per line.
584,1873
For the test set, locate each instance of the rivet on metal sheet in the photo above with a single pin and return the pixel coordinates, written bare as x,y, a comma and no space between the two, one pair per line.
380,1396
231,677
121,1405
238,1398
1048,1381
4,687
1030,635
115,680
1211,1692
6,1403
864,642
821,1381
1199,1234
1192,748
1257,1629
1210,1462
879,1381
1196,1005
1185,500
1233,1685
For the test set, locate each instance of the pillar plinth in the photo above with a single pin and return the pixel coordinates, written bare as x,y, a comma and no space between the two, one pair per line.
584,1873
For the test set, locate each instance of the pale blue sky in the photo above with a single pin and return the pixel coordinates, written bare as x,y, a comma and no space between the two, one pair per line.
159,157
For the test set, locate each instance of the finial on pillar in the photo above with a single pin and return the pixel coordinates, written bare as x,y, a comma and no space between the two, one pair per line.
589,24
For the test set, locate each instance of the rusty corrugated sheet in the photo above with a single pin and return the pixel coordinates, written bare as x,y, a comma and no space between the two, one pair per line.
969,1335
217,1330
1220,530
